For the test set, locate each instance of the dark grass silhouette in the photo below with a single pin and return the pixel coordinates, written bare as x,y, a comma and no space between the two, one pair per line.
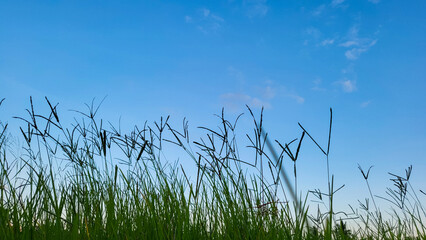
89,181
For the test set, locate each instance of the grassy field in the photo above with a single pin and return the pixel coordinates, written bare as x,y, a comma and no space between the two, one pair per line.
90,180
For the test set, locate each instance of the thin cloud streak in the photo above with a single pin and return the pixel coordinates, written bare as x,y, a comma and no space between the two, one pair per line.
236,101
365,104
298,98
188,19
358,45
318,11
326,42
317,85
347,85
206,21
336,3
256,8
355,53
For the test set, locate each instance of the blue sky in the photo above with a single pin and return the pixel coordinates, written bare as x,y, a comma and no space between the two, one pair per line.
365,59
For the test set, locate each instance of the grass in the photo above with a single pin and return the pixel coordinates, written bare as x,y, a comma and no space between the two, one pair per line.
88,181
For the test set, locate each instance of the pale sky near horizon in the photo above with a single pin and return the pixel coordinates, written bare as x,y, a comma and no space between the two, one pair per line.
365,59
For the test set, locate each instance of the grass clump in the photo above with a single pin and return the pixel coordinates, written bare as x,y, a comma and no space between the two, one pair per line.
88,181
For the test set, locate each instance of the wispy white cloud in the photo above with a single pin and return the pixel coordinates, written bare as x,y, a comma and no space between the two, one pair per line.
357,44
336,3
312,34
317,85
318,11
256,8
217,18
188,19
257,96
272,90
206,12
348,69
237,101
268,92
326,42
296,97
349,43
206,21
365,104
347,85
354,53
